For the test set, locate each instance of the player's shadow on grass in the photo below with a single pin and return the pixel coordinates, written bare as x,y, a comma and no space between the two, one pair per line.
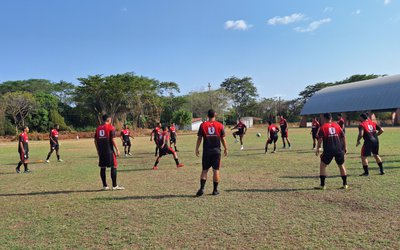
274,190
50,193
151,197
308,177
135,170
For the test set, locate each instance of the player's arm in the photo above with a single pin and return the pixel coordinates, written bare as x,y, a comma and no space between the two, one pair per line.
360,135
245,129
234,127
97,147
21,145
199,139
344,143
224,145
268,133
318,145
51,139
151,135
122,137
380,130
115,146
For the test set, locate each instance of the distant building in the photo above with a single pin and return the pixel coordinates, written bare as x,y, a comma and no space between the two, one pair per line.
250,121
195,125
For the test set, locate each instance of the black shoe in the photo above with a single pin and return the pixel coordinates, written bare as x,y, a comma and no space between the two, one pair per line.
17,170
364,174
215,192
27,171
200,192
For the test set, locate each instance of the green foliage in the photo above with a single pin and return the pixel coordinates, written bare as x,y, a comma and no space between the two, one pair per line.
182,118
19,105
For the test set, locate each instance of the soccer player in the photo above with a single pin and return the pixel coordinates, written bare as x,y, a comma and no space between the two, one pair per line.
107,151
164,149
173,135
241,131
126,140
284,131
213,134
23,150
155,133
334,142
54,145
341,122
314,131
273,131
370,131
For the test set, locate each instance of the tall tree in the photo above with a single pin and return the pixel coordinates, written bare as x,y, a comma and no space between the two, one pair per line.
19,105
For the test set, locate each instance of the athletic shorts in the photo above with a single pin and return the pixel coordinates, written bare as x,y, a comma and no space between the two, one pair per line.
272,140
126,143
239,132
314,135
327,157
370,148
24,157
54,146
172,140
165,151
108,160
284,133
211,160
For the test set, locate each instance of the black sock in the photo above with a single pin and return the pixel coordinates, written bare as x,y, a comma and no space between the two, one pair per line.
175,148
177,161
156,163
26,166
380,164
19,165
284,145
266,149
322,178
366,169
202,184
114,176
103,176
289,144
344,178
48,156
313,145
215,186
274,147
125,151
58,157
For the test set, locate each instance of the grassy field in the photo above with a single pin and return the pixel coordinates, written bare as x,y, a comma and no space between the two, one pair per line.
266,201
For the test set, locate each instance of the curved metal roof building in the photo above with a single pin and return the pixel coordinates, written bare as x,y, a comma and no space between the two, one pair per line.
376,94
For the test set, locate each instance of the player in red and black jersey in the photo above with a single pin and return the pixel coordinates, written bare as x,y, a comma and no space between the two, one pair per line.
370,131
54,145
155,133
241,131
126,140
107,151
341,122
315,125
334,141
273,131
284,131
23,150
164,149
172,136
213,134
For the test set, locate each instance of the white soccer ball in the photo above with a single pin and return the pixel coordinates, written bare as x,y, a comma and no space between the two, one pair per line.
258,134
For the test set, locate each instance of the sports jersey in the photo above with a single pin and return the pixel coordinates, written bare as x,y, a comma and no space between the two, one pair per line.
341,122
212,132
160,138
156,132
241,126
370,131
283,124
54,136
104,135
315,126
172,131
332,136
273,130
23,137
126,134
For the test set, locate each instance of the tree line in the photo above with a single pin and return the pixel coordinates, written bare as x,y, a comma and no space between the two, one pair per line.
138,101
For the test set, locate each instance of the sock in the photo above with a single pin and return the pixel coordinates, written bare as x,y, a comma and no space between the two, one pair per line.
19,165
125,151
313,145
25,166
48,156
380,164
156,163
156,150
177,161
202,184
215,186
289,144
114,176
366,169
175,148
129,150
274,147
344,178
58,157
266,149
103,176
284,144
322,178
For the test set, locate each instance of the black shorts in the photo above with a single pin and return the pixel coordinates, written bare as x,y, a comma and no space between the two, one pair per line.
126,143
172,140
370,148
284,133
272,140
108,160
314,135
165,151
239,132
327,157
23,157
211,160
54,146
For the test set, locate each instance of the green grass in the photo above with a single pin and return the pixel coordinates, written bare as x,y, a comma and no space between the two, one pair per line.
266,201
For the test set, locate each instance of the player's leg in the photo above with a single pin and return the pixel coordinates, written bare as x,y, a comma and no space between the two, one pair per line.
364,162
25,161
378,160
216,178
288,141
314,140
241,141
266,146
156,153
49,154
322,175
21,161
129,149
114,177
339,158
206,164
58,154
103,178
171,151
155,167
275,145
283,139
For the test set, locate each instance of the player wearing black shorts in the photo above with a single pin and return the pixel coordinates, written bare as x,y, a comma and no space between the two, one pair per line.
273,131
54,145
172,136
315,125
107,151
334,141
126,140
370,131
23,150
213,134
241,131
155,133
284,131
164,149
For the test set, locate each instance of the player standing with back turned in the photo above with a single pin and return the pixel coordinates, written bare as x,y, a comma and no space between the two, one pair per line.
23,150
54,145
284,131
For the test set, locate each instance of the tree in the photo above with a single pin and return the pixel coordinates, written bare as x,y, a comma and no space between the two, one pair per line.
182,118
243,92
19,105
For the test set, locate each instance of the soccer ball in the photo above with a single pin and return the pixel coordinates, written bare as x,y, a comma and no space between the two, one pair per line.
258,135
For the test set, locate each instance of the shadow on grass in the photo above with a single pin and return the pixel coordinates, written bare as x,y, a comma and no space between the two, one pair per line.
308,177
51,193
134,170
151,197
274,190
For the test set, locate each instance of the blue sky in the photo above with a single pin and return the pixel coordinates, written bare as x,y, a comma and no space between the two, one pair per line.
283,45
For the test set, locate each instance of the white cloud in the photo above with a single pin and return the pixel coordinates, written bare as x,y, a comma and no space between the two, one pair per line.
328,9
237,25
286,19
387,2
313,26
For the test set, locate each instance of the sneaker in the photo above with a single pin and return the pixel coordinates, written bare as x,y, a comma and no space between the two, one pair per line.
60,160
176,150
180,165
105,188
345,187
27,171
47,161
320,188
215,192
129,154
236,140
273,152
364,174
126,155
241,148
17,170
290,147
155,168
313,148
118,188
200,192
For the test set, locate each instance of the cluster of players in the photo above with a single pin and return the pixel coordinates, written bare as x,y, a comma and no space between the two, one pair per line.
330,135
